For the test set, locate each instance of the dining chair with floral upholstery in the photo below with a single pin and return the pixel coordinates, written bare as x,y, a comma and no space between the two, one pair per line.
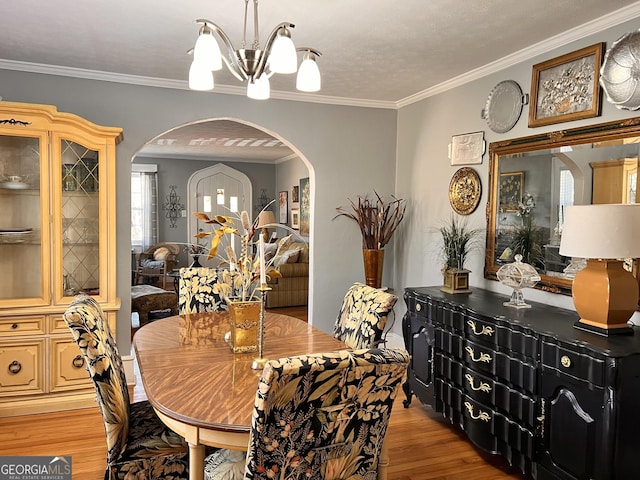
202,289
363,316
139,446
320,416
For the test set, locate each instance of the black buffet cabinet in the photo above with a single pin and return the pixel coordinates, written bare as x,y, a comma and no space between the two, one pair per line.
557,402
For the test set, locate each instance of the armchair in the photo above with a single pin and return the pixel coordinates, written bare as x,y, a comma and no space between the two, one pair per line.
156,261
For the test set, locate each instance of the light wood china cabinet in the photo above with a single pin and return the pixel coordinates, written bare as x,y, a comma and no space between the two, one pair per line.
57,238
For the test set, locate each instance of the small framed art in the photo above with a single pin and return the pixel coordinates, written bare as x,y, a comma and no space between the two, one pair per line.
295,218
283,206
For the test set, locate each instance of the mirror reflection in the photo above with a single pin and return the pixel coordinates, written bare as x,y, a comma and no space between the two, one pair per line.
533,179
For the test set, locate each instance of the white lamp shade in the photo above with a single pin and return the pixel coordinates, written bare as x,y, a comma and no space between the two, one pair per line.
308,75
200,77
207,52
259,89
283,58
604,231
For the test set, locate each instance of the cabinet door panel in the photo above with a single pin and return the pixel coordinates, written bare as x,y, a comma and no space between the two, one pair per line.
572,440
68,366
21,368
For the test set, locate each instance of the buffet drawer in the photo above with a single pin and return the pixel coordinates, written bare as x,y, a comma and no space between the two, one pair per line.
487,428
512,403
515,371
12,326
572,361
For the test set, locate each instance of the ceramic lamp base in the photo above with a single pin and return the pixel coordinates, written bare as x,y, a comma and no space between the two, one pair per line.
605,296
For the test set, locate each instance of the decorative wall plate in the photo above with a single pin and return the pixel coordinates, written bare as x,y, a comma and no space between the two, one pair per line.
465,191
504,106
619,75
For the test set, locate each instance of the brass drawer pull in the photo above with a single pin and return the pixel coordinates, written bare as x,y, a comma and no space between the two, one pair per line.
485,329
565,361
15,367
77,361
483,387
484,357
484,416
418,307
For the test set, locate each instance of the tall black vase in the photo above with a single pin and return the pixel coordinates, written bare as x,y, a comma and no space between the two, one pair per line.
196,261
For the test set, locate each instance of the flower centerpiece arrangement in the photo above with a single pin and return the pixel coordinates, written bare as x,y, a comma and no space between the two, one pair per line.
458,241
377,220
243,276
247,273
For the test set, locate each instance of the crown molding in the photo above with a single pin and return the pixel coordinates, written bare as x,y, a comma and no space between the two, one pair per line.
595,26
182,84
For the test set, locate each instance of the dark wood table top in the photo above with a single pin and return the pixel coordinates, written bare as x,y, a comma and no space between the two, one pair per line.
190,374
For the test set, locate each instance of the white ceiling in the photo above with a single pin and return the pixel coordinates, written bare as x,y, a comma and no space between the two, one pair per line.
375,52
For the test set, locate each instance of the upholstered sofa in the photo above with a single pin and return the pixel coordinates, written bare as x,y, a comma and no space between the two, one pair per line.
292,289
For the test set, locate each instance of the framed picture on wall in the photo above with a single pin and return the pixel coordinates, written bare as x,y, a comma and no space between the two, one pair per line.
566,88
294,194
283,205
295,218
305,206
511,186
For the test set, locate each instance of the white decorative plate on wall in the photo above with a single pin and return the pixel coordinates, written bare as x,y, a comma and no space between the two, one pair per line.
620,72
504,106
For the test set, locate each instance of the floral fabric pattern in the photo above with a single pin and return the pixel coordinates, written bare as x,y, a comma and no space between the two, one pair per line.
363,315
319,417
139,446
203,289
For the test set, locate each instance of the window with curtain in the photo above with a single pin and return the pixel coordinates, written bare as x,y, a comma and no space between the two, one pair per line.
144,206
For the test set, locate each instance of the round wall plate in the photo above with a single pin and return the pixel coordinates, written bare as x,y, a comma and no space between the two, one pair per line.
619,75
504,106
465,191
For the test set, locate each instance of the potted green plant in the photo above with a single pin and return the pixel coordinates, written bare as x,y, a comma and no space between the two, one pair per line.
458,241
378,220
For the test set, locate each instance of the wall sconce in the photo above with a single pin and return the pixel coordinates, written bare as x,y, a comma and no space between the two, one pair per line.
604,293
173,206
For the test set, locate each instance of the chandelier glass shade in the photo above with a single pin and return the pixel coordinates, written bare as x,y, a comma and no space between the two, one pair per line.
252,65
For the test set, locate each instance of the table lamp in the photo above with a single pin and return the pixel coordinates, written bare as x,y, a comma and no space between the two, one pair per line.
266,217
604,293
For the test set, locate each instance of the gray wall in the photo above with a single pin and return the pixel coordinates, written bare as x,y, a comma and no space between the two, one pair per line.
424,171
349,150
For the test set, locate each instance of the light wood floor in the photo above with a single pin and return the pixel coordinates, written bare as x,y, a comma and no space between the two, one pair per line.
422,445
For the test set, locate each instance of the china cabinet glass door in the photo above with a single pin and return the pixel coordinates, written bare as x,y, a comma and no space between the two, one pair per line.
24,229
80,219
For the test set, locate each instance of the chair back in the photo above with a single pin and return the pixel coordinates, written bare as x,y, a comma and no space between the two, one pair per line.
90,330
323,416
202,289
363,315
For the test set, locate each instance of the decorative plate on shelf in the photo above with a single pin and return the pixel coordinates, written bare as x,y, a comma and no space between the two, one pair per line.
504,106
465,191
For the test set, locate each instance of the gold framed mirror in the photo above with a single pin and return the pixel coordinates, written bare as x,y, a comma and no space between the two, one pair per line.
532,179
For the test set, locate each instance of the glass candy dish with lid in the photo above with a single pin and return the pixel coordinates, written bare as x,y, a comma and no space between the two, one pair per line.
518,275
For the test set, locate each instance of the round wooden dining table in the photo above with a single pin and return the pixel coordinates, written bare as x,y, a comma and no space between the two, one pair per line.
201,389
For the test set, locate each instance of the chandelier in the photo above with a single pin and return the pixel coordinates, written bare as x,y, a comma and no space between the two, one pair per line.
252,65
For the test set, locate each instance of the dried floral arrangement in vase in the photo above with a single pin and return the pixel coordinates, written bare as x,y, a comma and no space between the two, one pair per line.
378,220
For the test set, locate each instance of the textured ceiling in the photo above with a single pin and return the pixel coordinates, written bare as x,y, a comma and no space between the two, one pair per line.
374,52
